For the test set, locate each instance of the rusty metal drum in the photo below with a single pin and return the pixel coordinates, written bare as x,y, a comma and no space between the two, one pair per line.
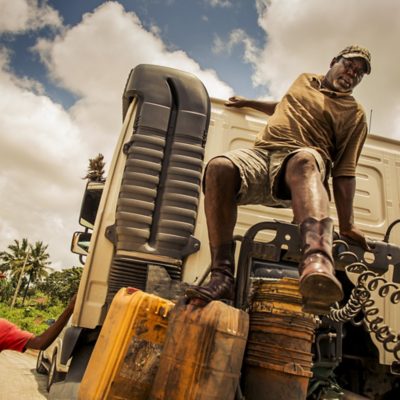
278,359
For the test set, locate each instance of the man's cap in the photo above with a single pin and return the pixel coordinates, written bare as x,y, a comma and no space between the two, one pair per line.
355,51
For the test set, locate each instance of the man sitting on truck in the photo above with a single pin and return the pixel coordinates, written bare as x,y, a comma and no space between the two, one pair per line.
316,131
13,338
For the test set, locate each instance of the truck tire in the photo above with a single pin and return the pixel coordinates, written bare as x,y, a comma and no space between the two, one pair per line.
54,375
40,367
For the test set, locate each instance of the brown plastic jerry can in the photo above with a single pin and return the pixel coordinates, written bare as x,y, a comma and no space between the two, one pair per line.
126,355
202,354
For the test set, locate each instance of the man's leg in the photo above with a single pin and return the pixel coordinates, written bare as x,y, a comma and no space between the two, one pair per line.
222,183
310,202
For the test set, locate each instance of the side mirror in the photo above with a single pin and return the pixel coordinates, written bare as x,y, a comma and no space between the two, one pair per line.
90,204
80,243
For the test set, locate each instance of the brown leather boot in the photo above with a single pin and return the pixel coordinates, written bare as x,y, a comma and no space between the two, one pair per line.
221,284
318,285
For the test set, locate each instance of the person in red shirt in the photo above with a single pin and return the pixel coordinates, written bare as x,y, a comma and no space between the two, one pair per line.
13,338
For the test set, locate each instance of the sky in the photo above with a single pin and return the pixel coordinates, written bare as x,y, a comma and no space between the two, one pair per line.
64,64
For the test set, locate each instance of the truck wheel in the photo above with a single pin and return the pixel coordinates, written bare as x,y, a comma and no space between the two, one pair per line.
40,368
54,376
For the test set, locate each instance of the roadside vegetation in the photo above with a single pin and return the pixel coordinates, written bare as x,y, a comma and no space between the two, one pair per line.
32,293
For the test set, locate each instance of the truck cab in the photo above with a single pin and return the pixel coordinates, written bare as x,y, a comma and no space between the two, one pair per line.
145,227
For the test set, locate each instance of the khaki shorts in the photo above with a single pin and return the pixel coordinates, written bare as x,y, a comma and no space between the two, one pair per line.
262,174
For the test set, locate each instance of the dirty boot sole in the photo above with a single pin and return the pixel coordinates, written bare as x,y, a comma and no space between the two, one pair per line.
196,302
319,293
195,293
198,292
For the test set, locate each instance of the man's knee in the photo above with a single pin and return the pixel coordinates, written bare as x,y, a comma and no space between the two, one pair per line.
221,169
301,165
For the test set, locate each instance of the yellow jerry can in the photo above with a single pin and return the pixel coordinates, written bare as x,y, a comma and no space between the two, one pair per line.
203,353
126,356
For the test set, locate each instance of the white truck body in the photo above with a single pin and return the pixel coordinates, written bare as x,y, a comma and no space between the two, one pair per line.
376,206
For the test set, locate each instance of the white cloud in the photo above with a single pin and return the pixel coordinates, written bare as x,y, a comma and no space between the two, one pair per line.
219,3
41,164
18,16
236,37
305,35
111,39
44,148
261,5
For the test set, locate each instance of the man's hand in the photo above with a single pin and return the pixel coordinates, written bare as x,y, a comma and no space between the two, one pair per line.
237,102
266,107
355,235
344,188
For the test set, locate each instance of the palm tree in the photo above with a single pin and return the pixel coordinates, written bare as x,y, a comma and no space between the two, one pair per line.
25,262
38,263
12,261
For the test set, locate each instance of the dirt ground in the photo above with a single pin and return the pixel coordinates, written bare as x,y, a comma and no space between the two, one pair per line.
18,377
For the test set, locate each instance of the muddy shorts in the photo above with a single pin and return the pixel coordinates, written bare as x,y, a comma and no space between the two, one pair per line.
262,174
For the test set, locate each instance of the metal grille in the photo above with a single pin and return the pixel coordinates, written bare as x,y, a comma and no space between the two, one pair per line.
127,272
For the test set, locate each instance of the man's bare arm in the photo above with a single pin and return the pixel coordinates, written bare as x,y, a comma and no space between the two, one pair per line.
267,107
344,188
44,340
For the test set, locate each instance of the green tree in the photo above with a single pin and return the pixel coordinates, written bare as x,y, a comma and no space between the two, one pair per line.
96,169
38,264
6,290
62,285
12,260
25,263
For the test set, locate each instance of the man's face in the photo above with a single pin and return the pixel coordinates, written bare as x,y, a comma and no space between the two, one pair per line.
345,73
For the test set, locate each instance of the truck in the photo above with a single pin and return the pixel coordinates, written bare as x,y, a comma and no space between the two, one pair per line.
145,227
